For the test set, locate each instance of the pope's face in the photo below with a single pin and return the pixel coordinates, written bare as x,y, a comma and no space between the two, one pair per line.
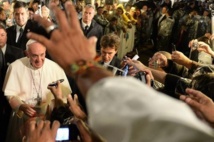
36,53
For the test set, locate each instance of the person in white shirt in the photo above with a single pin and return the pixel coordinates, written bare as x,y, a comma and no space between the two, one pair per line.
25,86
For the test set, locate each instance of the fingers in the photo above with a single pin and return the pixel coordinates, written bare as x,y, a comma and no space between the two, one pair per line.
149,73
70,100
55,127
32,125
192,103
30,112
148,79
199,96
84,131
42,21
196,99
40,125
76,98
92,42
40,39
72,15
62,22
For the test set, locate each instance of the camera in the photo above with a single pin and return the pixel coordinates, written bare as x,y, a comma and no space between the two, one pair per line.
116,71
141,76
181,86
63,134
68,130
67,133
194,45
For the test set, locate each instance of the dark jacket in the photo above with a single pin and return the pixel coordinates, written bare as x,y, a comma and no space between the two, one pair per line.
31,26
96,30
116,62
11,54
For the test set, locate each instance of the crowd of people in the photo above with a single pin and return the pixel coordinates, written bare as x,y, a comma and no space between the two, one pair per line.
59,66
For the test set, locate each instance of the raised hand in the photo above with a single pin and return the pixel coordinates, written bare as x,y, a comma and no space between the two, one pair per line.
75,107
180,58
202,46
158,60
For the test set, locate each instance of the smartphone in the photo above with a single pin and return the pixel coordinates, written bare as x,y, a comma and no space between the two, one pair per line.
125,70
173,47
62,134
141,76
55,83
135,57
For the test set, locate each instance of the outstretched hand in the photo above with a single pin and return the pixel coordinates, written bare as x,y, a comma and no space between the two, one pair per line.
75,107
205,47
158,60
67,43
201,104
56,91
41,131
180,58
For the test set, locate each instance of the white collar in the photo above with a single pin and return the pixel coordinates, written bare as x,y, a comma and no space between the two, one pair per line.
18,28
84,24
3,49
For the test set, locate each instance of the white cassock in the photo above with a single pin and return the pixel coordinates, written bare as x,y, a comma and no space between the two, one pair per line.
28,83
126,110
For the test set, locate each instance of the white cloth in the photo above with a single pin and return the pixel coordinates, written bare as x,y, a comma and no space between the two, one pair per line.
20,83
126,110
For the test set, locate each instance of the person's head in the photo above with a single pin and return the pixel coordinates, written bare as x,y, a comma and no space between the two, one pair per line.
31,13
145,8
3,36
119,11
109,45
35,5
204,83
100,10
88,13
2,14
113,21
36,53
206,12
20,13
159,60
164,9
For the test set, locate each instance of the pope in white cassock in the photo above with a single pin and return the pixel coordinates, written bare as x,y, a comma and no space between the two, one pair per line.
26,84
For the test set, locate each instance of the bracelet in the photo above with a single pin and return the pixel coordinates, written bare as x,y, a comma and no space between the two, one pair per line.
81,66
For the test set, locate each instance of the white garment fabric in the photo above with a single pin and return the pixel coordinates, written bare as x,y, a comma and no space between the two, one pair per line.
126,110
23,81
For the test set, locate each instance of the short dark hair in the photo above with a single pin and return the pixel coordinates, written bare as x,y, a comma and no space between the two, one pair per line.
20,4
113,18
110,40
204,83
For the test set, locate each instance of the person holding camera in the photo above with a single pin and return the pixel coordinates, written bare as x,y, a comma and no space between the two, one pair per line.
29,97
73,110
